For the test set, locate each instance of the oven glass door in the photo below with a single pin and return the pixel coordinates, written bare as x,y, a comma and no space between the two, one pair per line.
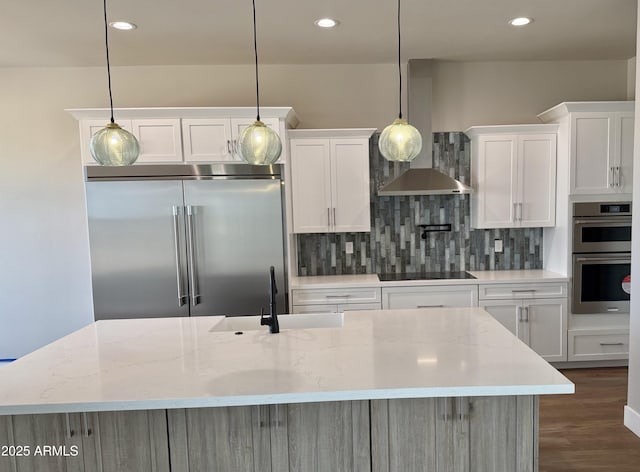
601,283
602,234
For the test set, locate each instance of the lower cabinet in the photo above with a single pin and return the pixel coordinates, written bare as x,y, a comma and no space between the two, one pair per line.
454,434
441,296
306,437
123,441
540,323
399,435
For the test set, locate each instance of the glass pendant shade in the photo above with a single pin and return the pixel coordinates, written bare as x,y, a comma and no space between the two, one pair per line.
114,146
400,141
259,145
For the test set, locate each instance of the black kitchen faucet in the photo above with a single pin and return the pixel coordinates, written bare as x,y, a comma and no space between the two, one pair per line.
272,319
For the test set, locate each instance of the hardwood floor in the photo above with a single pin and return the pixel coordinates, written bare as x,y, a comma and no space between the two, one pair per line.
585,431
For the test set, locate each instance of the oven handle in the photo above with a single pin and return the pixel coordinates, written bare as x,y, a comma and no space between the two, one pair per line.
616,222
606,259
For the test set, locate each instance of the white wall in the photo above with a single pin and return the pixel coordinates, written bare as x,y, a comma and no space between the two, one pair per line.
44,259
487,93
632,410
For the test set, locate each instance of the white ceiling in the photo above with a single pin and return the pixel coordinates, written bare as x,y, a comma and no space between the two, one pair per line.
180,32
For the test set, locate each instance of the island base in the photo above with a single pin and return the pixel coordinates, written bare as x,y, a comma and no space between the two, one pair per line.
490,434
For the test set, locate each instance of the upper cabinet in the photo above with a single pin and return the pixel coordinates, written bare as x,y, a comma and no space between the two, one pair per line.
330,180
177,135
599,139
513,174
216,139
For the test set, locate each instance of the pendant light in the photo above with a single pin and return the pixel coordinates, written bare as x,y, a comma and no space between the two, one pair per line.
400,141
258,144
112,145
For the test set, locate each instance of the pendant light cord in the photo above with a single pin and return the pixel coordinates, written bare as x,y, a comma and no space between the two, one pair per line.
399,69
106,41
255,51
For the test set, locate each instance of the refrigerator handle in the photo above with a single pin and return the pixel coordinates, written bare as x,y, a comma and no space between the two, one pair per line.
176,238
193,281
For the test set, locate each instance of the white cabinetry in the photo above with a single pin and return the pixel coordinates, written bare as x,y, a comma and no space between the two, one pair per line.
598,344
513,174
600,142
216,139
335,300
176,135
536,313
435,296
330,180
159,139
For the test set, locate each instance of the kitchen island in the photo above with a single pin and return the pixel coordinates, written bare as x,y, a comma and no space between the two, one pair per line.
394,390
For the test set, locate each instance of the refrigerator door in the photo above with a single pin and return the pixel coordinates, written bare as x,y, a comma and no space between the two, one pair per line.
138,251
236,233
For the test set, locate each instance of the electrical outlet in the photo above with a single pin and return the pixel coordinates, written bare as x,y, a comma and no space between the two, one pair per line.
348,247
497,245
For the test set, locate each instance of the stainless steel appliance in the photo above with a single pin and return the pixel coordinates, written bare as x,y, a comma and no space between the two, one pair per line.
183,240
601,257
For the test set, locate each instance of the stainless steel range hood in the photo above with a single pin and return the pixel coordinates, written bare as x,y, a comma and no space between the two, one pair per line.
421,178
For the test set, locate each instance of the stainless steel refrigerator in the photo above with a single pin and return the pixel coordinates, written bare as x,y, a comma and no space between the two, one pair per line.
181,240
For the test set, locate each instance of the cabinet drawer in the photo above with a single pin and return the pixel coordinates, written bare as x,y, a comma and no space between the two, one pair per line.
336,296
520,291
430,297
339,308
586,345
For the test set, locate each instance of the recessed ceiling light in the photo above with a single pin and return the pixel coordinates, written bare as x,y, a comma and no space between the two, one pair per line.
522,21
326,23
123,25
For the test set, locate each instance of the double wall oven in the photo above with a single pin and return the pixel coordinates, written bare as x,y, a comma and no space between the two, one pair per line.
601,257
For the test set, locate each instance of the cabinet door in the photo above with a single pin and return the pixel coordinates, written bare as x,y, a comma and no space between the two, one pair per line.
43,443
430,297
536,196
508,313
592,153
222,439
350,205
207,140
311,185
495,181
546,325
126,441
88,128
160,140
320,437
625,129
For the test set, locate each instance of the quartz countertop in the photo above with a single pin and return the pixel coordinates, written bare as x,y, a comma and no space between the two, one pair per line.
372,280
181,363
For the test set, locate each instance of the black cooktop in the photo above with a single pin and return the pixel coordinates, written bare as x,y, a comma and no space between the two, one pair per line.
425,276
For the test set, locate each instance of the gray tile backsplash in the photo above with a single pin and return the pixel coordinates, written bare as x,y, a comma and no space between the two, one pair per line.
395,244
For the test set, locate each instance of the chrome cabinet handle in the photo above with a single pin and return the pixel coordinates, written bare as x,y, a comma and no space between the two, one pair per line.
520,211
337,296
617,176
329,217
234,147
529,290
619,221
519,311
430,306
612,344
176,239
334,216
515,212
193,281
229,146
610,182
526,314
604,259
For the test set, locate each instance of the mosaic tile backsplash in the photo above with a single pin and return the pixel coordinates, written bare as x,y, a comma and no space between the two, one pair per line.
394,244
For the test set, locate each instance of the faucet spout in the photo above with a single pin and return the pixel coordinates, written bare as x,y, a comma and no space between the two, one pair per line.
272,319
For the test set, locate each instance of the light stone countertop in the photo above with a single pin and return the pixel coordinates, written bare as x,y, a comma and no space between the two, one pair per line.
371,280
181,363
